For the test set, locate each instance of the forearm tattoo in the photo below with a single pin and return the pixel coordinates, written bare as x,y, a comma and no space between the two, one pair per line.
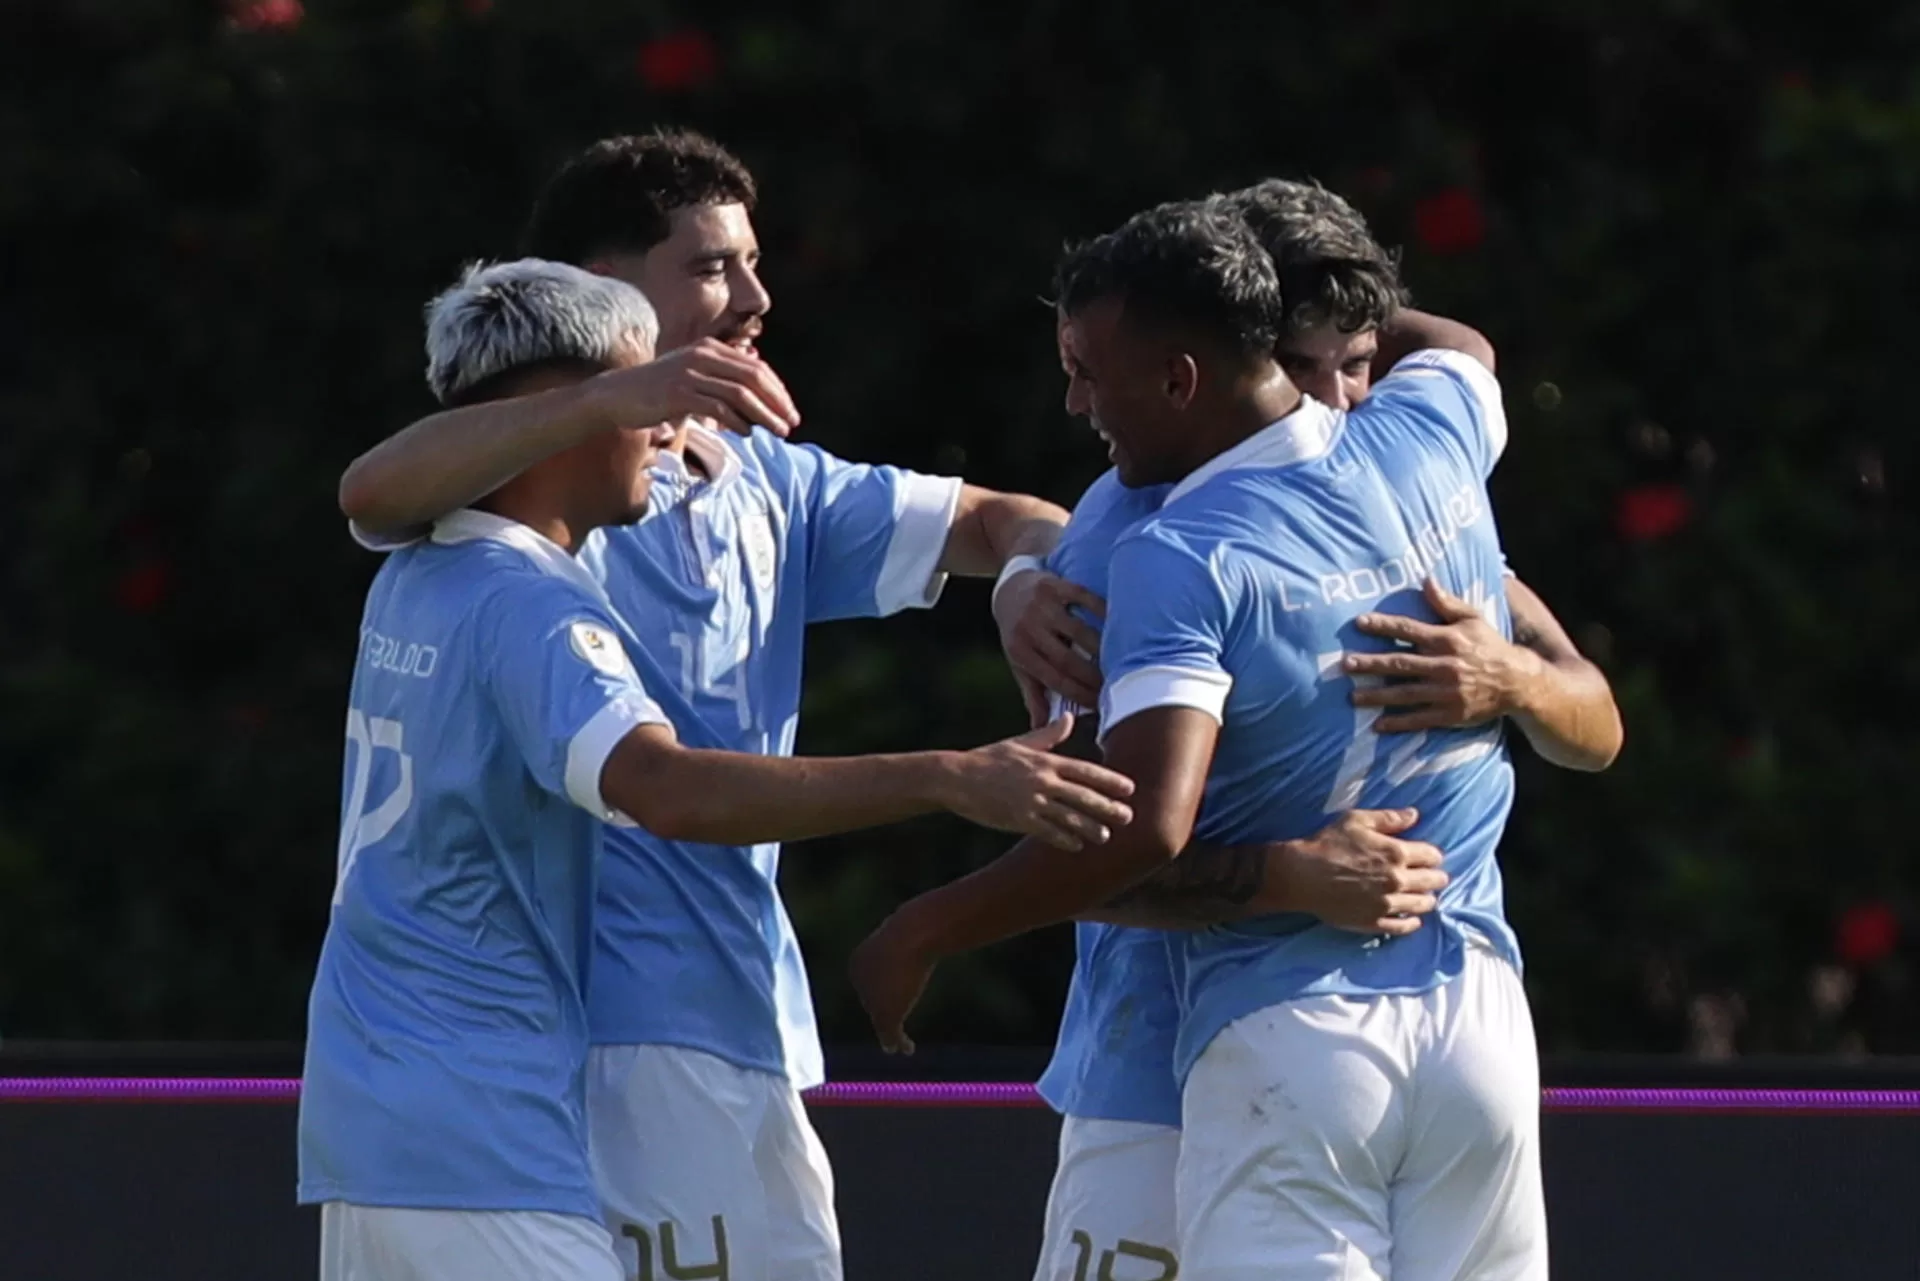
1200,887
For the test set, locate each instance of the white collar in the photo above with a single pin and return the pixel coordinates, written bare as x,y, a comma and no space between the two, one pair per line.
715,455
1304,434
470,524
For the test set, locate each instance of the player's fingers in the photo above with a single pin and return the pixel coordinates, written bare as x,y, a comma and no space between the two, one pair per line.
1417,854
1410,904
1394,926
1068,686
1446,604
773,392
893,1036
1068,592
1053,661
1098,777
1401,628
1384,820
1447,715
1082,637
715,359
1042,824
743,402
1098,809
1078,680
1396,664
1423,880
1048,736
1067,817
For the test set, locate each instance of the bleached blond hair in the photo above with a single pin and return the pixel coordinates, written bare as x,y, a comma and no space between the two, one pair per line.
508,315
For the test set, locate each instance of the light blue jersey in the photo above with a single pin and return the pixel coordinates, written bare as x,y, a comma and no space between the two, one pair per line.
1238,599
718,585
447,1030
1113,1060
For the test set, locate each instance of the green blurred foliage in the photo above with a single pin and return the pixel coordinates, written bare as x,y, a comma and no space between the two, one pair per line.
1698,261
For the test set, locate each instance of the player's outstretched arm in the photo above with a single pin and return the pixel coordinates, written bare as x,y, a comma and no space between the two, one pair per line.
991,528
1462,672
1357,873
738,798
447,460
1165,750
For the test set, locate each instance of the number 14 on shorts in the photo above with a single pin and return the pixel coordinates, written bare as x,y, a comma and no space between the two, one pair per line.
671,1267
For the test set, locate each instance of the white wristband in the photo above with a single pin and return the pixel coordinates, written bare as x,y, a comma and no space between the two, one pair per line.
1015,565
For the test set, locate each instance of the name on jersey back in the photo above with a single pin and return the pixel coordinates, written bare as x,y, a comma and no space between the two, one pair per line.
1461,511
402,658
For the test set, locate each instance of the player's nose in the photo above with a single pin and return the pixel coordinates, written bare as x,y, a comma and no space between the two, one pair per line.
749,295
1331,392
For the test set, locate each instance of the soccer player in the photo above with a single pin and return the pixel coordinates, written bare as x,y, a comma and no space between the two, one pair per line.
1112,1074
498,720
700,1010
1352,1105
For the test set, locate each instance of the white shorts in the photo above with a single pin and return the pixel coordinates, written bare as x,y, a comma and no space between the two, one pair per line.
1110,1211
1393,1138
386,1243
702,1164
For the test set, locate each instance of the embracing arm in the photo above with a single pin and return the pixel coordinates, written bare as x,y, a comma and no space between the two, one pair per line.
1460,672
1357,873
447,460
1567,712
991,528
1410,331
741,798
1166,751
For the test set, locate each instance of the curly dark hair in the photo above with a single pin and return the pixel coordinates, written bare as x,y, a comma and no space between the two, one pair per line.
618,195
1331,269
1193,265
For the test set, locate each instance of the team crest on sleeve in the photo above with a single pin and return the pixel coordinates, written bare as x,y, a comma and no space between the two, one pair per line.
599,647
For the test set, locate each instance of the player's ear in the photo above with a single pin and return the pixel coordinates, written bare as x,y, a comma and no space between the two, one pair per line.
1182,379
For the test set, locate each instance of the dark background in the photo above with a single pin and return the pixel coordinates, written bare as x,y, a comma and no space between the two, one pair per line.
1689,225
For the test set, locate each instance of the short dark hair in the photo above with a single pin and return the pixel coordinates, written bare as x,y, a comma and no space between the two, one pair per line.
618,195
1331,269
1190,264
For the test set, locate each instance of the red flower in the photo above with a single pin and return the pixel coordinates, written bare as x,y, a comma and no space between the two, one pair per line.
1653,511
684,60
477,8
142,588
266,15
1450,222
1868,934
1794,81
